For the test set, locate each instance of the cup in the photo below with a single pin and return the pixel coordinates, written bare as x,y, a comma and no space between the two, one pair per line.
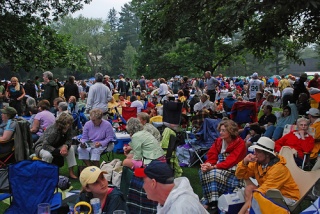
119,212
44,208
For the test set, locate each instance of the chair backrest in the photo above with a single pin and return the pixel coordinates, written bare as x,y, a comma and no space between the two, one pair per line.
31,183
244,112
22,140
156,119
128,112
304,179
172,112
288,128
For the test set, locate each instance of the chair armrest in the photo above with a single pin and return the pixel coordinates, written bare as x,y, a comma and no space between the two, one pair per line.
56,201
276,196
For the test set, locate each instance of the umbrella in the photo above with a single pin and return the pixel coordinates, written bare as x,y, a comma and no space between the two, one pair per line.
310,77
276,76
313,209
273,80
316,97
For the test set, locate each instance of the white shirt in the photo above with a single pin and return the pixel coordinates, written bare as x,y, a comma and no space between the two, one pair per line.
137,104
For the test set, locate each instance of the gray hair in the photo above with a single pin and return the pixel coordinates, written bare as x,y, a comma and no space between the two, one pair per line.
48,74
96,114
134,125
98,77
144,116
302,119
63,106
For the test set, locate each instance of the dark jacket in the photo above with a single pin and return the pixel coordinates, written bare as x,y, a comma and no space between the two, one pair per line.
51,91
71,89
115,201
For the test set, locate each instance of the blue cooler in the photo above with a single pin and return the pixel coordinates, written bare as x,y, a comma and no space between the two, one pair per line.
122,139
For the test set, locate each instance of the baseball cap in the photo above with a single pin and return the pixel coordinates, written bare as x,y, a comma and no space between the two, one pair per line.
160,171
121,75
255,75
314,112
9,110
90,175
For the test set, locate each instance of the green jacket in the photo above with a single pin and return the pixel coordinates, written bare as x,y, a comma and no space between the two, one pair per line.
51,91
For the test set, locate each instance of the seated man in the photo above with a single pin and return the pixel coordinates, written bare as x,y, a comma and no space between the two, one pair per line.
136,103
173,195
267,119
270,172
205,105
145,119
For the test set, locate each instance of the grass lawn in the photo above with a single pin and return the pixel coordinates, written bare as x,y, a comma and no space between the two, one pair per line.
191,173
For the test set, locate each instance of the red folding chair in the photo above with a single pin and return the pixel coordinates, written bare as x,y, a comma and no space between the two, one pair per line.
128,112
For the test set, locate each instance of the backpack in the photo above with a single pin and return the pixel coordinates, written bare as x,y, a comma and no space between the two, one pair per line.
64,182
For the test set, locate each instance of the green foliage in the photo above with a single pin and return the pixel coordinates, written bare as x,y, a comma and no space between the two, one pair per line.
128,61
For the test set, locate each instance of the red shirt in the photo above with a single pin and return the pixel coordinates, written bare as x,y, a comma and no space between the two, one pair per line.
291,140
237,151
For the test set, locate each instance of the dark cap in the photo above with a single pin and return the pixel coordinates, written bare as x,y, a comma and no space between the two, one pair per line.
9,110
121,75
160,171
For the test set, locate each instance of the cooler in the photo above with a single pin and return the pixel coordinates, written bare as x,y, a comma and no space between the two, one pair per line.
231,202
122,139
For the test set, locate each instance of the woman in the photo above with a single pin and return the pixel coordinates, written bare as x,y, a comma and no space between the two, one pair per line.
42,120
15,93
288,116
254,134
97,134
7,128
181,96
143,147
259,100
72,105
123,102
299,140
55,142
270,101
163,88
217,174
95,185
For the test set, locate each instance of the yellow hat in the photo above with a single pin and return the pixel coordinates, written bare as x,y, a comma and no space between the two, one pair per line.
90,175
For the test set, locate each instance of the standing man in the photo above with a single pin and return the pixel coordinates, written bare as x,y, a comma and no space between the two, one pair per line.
174,195
211,84
99,95
254,86
142,83
71,89
176,85
122,85
50,88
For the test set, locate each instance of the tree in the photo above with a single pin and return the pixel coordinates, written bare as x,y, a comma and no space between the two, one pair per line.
128,61
26,40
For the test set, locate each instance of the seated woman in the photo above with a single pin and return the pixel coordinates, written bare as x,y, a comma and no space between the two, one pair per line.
55,142
143,147
7,128
205,105
270,101
145,121
288,116
254,134
299,140
97,134
43,119
217,174
122,101
95,185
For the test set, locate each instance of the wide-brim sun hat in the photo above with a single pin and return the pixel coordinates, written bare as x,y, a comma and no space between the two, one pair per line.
265,144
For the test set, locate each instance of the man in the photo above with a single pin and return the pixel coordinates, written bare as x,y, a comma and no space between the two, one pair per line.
267,119
314,82
50,88
106,81
176,85
270,172
204,104
254,86
314,117
142,83
283,83
122,85
299,88
99,95
85,87
173,195
145,120
71,89
211,84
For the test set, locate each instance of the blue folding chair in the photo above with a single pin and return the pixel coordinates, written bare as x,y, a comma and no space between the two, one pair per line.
32,183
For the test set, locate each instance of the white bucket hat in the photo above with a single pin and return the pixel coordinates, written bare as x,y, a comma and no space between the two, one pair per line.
265,144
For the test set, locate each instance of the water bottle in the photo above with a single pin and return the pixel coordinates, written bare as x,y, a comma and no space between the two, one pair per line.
96,206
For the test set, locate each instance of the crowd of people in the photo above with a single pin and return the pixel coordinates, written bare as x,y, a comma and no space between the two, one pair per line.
50,106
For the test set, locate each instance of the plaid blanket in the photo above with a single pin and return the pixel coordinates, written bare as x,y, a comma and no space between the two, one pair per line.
217,182
197,120
137,200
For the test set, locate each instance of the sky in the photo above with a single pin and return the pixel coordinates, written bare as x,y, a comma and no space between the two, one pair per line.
100,8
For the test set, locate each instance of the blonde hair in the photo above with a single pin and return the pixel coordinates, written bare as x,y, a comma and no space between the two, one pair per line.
17,87
231,127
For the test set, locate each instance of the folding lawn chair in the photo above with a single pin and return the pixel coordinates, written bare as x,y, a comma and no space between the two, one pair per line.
32,183
244,112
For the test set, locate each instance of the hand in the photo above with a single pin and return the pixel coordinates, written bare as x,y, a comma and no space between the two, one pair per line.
205,167
127,149
64,151
97,144
250,158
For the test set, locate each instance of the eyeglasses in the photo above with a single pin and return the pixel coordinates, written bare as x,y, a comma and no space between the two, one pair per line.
302,124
